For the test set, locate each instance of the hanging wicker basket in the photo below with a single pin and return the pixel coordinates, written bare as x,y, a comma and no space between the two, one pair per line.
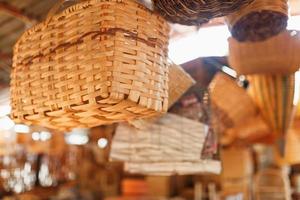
233,100
274,94
171,145
97,62
259,20
277,55
196,12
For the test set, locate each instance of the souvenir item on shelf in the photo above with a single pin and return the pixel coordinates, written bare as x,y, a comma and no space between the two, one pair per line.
272,184
276,55
95,63
274,94
171,145
196,12
259,20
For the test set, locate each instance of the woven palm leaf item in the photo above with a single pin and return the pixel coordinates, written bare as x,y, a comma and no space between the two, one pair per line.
276,55
235,115
274,95
196,12
259,20
95,63
171,145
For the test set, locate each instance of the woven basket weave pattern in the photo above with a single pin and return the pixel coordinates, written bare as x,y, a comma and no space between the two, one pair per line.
98,62
195,12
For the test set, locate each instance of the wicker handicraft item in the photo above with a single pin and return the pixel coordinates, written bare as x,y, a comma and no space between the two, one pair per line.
277,55
292,147
97,62
196,12
274,94
259,20
172,144
272,184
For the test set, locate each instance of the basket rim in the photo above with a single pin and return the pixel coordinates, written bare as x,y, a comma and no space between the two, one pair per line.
78,6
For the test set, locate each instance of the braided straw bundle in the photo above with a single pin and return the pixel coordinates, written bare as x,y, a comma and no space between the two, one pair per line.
274,94
196,12
276,55
259,20
97,62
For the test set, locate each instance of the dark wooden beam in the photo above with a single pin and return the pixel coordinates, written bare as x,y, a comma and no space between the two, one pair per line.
17,13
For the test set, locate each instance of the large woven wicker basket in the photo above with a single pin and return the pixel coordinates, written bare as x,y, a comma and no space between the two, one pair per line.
196,12
276,55
259,20
97,62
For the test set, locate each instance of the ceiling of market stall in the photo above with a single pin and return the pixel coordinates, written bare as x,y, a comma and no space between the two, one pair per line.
18,15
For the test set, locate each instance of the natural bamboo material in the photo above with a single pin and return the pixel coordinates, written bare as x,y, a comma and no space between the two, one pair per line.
179,83
233,100
170,168
272,184
277,55
274,94
259,20
170,139
97,62
196,12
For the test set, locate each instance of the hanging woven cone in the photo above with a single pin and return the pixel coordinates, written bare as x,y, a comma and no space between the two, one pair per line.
259,20
277,55
274,94
196,12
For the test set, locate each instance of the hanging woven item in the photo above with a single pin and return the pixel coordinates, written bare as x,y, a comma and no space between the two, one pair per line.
196,12
172,144
259,20
277,55
97,62
274,94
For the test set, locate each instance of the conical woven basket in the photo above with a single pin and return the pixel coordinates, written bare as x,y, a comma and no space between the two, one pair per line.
277,55
274,94
196,12
97,62
259,20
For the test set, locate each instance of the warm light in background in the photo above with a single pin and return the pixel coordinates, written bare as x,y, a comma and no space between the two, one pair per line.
209,41
77,137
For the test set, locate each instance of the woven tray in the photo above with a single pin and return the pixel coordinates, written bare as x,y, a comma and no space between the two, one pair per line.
170,139
277,55
196,12
274,94
259,20
97,62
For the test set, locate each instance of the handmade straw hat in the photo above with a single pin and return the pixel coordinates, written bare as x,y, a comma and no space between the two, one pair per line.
259,20
196,12
95,63
276,55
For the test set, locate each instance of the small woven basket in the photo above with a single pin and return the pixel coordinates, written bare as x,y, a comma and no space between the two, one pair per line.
97,62
259,20
274,95
196,12
277,55
228,97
